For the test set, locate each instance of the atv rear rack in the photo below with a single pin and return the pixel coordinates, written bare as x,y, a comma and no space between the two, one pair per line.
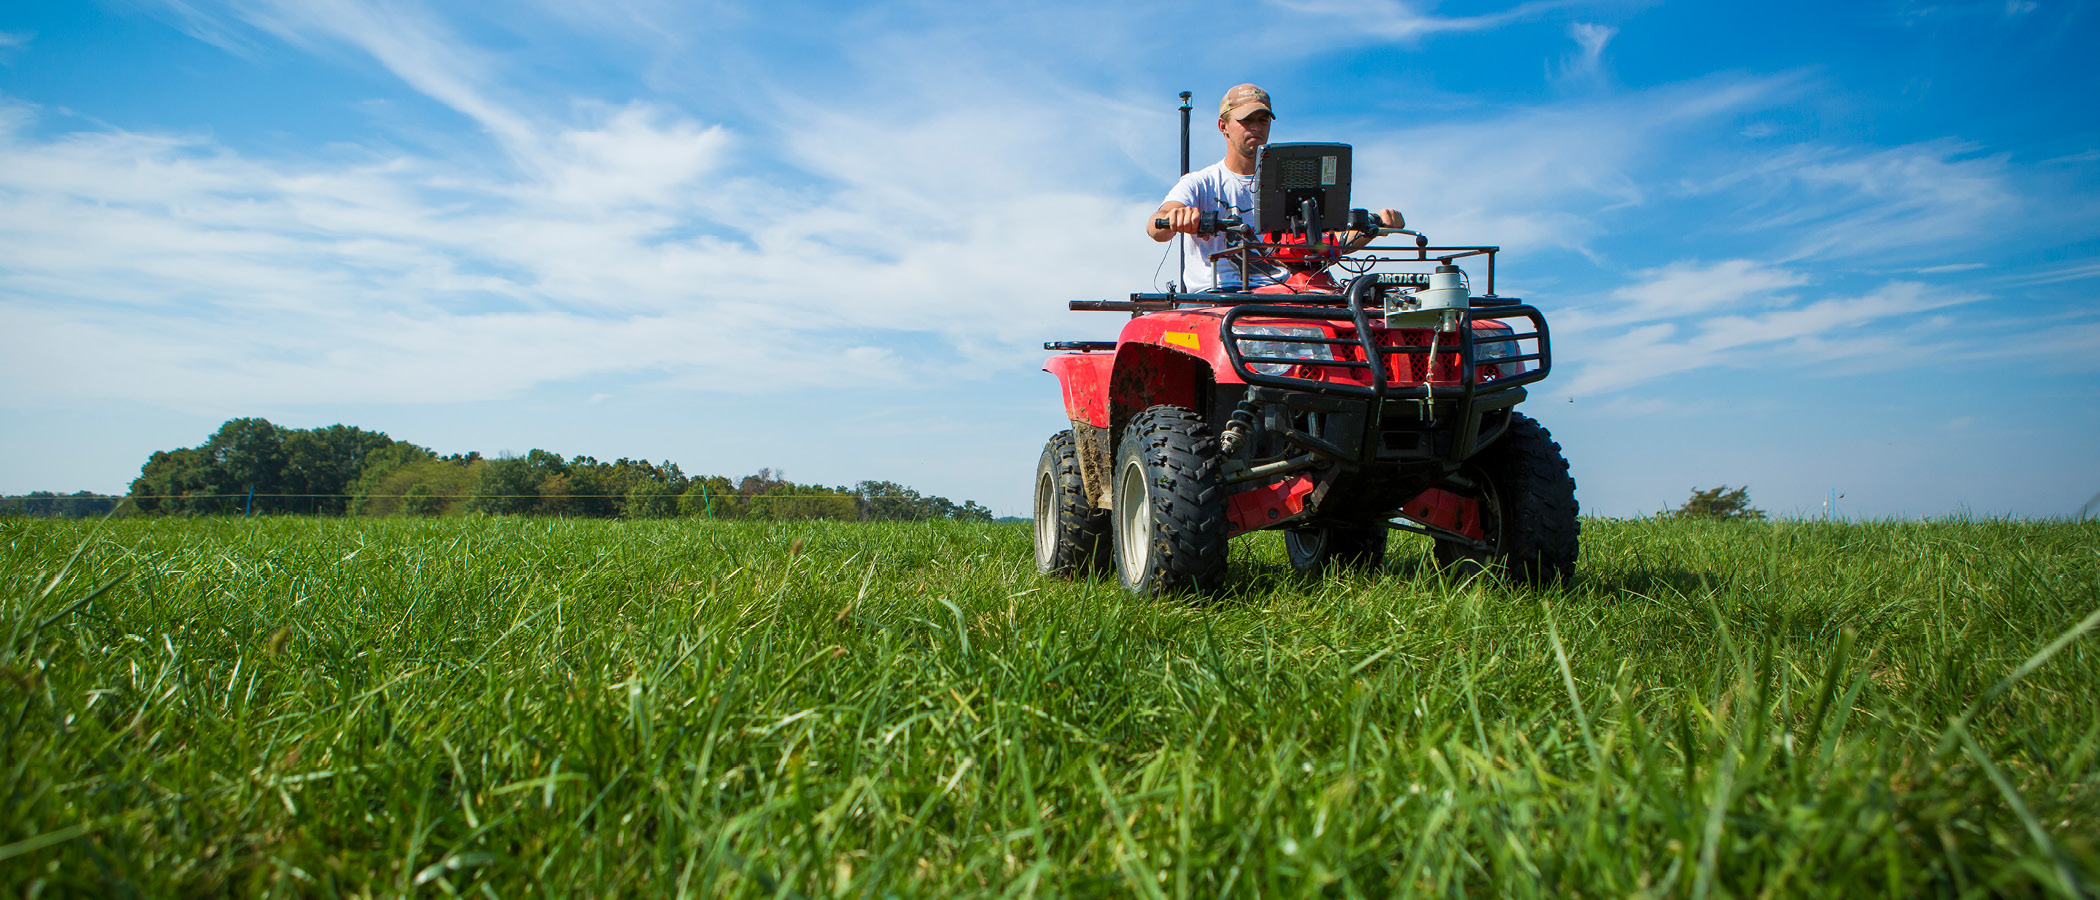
1362,258
1157,302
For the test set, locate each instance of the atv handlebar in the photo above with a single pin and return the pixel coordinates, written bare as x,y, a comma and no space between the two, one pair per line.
1207,224
1360,220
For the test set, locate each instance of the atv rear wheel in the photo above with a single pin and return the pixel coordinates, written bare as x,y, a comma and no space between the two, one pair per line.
1527,508
1071,536
1354,548
1168,500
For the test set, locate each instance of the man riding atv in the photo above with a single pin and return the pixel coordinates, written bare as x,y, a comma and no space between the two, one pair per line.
1227,188
1267,393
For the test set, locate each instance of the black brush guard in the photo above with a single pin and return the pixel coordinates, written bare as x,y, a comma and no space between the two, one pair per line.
1472,399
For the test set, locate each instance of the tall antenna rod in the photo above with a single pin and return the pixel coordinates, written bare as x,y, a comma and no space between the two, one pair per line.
1184,283
1185,95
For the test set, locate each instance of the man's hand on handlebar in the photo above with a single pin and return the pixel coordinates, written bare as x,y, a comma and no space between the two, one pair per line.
1175,219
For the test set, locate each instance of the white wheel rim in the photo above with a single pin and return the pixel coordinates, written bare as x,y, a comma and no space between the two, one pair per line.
1045,518
1133,522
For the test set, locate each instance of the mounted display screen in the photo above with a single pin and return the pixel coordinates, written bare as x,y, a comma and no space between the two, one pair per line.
1287,175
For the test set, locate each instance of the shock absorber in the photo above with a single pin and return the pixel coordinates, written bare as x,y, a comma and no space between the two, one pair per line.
1236,429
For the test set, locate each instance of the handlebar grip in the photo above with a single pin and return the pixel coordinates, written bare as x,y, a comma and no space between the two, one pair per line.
1206,225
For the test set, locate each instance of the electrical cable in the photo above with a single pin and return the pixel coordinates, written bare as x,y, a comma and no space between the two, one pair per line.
1172,246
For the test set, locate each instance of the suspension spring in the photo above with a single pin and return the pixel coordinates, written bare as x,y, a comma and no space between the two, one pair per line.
1236,430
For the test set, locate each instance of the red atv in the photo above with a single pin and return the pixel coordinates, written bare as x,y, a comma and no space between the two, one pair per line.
1335,410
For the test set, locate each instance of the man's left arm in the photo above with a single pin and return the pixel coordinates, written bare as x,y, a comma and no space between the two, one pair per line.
1356,240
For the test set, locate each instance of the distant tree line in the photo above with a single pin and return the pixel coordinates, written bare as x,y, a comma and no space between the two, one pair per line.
54,505
253,466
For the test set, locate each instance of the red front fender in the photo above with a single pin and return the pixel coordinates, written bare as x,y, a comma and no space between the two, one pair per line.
1083,377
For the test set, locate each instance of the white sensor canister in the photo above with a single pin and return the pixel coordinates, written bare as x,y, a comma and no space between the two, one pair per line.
1447,290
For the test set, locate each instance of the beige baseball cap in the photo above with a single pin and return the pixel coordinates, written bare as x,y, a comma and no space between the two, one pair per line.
1243,100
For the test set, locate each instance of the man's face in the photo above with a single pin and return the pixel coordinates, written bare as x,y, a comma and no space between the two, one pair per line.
1246,136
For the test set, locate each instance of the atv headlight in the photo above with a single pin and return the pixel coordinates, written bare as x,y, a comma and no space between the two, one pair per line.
1486,352
1286,348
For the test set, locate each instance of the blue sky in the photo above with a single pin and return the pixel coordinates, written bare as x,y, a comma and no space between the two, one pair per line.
1803,247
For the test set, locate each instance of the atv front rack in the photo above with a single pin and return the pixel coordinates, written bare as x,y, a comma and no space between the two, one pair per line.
1374,355
1389,418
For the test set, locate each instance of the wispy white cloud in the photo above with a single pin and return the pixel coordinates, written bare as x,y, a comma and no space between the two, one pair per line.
1838,202
932,235
1687,317
1585,68
1399,20
207,25
1903,198
2075,272
9,40
1688,288
1544,176
413,44
627,238
636,239
629,244
1863,332
2073,344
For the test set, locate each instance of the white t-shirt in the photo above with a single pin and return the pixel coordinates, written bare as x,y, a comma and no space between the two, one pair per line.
1215,188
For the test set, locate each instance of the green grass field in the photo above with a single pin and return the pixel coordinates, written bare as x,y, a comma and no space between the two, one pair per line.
514,707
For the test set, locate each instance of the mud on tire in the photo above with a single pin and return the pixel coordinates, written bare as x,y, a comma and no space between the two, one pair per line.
1528,508
1168,501
1071,536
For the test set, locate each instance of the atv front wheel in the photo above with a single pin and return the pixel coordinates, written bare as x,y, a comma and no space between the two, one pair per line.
1357,548
1527,508
1071,536
1168,504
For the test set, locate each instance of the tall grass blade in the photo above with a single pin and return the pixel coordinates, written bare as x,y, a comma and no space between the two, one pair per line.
1567,678
2066,874
1961,724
